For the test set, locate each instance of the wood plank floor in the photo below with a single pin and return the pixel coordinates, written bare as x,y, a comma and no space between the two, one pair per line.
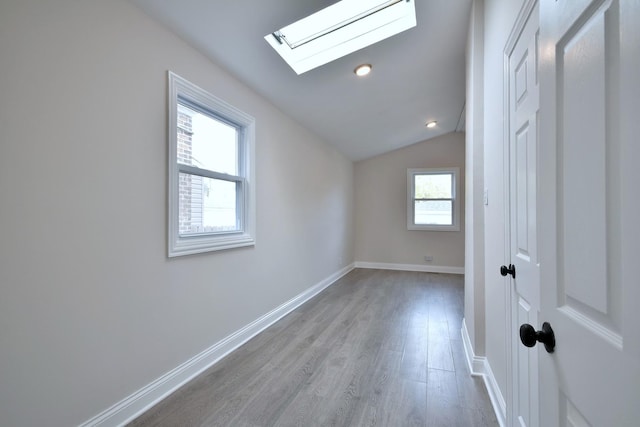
378,348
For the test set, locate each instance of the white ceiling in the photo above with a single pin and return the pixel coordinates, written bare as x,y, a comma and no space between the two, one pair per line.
417,76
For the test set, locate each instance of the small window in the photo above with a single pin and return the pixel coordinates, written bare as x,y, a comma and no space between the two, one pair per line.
432,202
211,178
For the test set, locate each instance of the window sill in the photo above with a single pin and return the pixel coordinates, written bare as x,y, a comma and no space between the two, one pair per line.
434,227
201,244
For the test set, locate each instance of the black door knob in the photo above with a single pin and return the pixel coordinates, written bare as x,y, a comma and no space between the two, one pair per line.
531,337
504,270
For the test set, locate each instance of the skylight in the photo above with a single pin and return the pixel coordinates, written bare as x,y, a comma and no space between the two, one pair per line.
340,29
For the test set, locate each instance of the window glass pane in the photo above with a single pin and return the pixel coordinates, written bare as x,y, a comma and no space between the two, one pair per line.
206,142
433,212
206,205
433,186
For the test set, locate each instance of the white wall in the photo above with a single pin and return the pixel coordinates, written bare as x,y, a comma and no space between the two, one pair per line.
381,206
474,312
91,308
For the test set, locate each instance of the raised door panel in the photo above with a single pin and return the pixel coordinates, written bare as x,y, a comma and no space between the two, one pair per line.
587,176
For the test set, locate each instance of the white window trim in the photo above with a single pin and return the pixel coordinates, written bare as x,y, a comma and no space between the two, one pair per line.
411,225
206,242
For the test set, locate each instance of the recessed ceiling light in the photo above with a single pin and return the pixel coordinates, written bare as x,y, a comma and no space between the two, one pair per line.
432,124
362,70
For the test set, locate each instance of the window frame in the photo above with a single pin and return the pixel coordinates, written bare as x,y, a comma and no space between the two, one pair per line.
455,199
182,91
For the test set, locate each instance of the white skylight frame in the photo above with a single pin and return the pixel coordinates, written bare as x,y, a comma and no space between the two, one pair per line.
339,30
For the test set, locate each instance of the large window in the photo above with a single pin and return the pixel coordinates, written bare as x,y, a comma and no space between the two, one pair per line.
211,179
432,200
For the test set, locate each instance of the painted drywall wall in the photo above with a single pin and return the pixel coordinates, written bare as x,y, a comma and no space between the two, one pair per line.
91,308
381,206
499,17
474,303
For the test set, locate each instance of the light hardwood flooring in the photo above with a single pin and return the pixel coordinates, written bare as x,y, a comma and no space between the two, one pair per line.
377,348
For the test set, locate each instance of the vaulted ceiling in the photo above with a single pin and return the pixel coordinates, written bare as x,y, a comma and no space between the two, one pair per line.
418,75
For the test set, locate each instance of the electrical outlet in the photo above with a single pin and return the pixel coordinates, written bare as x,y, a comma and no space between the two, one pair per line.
428,258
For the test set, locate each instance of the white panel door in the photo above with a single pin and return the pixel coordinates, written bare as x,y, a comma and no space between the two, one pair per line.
523,94
589,208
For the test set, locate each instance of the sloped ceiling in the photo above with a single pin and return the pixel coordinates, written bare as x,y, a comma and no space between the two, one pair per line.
418,75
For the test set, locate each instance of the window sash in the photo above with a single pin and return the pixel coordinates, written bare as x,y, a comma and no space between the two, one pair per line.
241,165
428,174
240,203
451,212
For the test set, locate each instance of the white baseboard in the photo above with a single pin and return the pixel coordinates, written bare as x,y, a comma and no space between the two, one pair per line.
479,366
410,267
132,406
